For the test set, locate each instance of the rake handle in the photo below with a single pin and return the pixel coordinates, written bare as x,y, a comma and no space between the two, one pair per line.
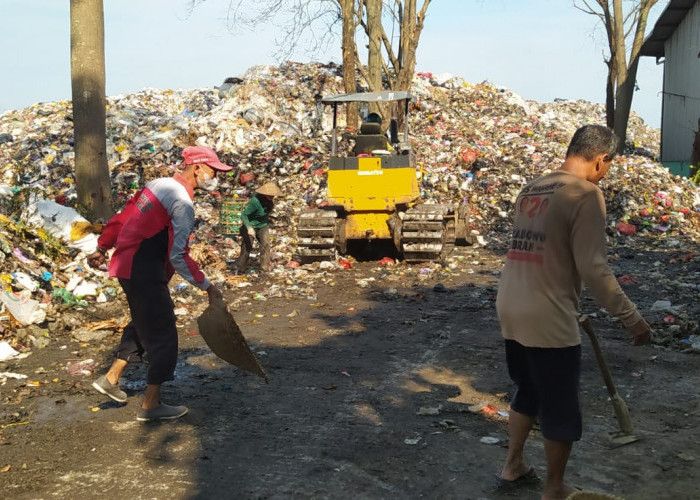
607,376
621,411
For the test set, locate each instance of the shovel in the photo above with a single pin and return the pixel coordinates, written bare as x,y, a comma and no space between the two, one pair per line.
626,434
223,336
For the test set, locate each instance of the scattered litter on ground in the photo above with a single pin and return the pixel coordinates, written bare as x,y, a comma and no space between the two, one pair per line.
489,440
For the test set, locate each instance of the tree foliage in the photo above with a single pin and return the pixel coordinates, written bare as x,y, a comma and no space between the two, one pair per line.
625,24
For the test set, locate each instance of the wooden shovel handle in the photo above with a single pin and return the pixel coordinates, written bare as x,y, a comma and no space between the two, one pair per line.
621,411
605,371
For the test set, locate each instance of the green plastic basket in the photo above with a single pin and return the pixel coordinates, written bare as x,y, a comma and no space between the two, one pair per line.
230,217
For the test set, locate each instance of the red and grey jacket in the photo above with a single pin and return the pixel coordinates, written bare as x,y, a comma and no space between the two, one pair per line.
150,234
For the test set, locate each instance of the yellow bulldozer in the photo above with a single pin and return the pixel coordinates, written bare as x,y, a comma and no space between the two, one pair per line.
373,194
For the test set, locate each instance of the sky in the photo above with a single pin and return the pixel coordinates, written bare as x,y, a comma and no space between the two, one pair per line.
540,49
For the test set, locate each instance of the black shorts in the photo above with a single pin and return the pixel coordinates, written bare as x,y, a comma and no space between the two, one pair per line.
548,387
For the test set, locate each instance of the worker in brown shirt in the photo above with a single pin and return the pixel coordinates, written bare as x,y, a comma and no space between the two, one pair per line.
558,242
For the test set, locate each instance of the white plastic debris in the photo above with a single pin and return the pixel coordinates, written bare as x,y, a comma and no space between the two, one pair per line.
429,410
7,351
25,310
25,281
85,289
489,440
73,283
5,375
328,265
412,441
58,221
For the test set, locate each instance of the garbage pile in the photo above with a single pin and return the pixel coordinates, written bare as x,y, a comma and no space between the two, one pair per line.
475,143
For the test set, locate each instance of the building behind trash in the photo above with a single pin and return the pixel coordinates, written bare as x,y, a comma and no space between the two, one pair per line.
675,42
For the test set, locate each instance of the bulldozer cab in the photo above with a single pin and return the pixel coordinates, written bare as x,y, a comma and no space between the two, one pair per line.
371,130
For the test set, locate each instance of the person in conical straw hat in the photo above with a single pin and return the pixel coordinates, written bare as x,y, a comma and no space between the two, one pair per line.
256,224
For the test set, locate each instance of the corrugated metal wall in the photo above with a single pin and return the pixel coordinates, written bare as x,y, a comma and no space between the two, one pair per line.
681,101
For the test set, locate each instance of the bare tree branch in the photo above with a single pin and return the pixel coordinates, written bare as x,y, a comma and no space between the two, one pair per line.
622,27
589,10
316,23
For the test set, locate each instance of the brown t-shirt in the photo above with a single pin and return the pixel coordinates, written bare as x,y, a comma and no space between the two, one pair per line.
558,241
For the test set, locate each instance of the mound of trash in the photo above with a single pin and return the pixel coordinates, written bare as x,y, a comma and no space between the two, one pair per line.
475,143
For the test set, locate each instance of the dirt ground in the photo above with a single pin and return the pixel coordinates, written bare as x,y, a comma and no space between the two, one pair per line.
384,383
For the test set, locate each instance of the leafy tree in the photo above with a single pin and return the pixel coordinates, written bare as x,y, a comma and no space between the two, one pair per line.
624,24
89,102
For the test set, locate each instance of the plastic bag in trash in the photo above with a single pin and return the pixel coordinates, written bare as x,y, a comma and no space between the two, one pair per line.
64,223
223,336
23,309
6,351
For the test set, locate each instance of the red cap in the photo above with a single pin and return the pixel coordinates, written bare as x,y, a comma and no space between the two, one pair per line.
202,154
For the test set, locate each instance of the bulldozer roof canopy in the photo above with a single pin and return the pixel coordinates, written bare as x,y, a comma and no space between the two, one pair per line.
383,96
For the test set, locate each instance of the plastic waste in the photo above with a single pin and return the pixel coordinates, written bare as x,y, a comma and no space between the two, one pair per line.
68,298
626,229
25,281
58,221
7,351
25,310
5,375
84,367
85,289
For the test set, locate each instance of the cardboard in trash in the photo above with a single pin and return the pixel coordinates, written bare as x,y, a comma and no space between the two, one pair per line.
223,336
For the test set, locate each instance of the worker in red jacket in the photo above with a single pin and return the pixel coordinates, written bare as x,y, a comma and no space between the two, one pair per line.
150,237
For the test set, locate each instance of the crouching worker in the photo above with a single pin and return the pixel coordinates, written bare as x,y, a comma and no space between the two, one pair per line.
256,222
150,238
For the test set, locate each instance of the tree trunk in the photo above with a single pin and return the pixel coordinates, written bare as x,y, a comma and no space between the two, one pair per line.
623,103
619,55
610,97
89,102
374,52
625,75
413,26
696,148
349,49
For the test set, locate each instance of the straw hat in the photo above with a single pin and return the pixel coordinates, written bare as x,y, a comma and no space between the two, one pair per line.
269,189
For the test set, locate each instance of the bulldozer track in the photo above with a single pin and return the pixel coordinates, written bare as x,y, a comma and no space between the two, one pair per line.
316,235
448,243
427,232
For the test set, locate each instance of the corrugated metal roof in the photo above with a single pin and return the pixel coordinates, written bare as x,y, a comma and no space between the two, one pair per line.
666,25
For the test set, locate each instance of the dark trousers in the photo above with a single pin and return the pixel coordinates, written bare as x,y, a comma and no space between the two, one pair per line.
263,237
130,348
152,329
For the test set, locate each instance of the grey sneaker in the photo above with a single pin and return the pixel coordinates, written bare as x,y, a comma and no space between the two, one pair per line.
105,387
161,412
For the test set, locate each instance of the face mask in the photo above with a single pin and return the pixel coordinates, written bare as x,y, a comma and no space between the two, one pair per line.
207,183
